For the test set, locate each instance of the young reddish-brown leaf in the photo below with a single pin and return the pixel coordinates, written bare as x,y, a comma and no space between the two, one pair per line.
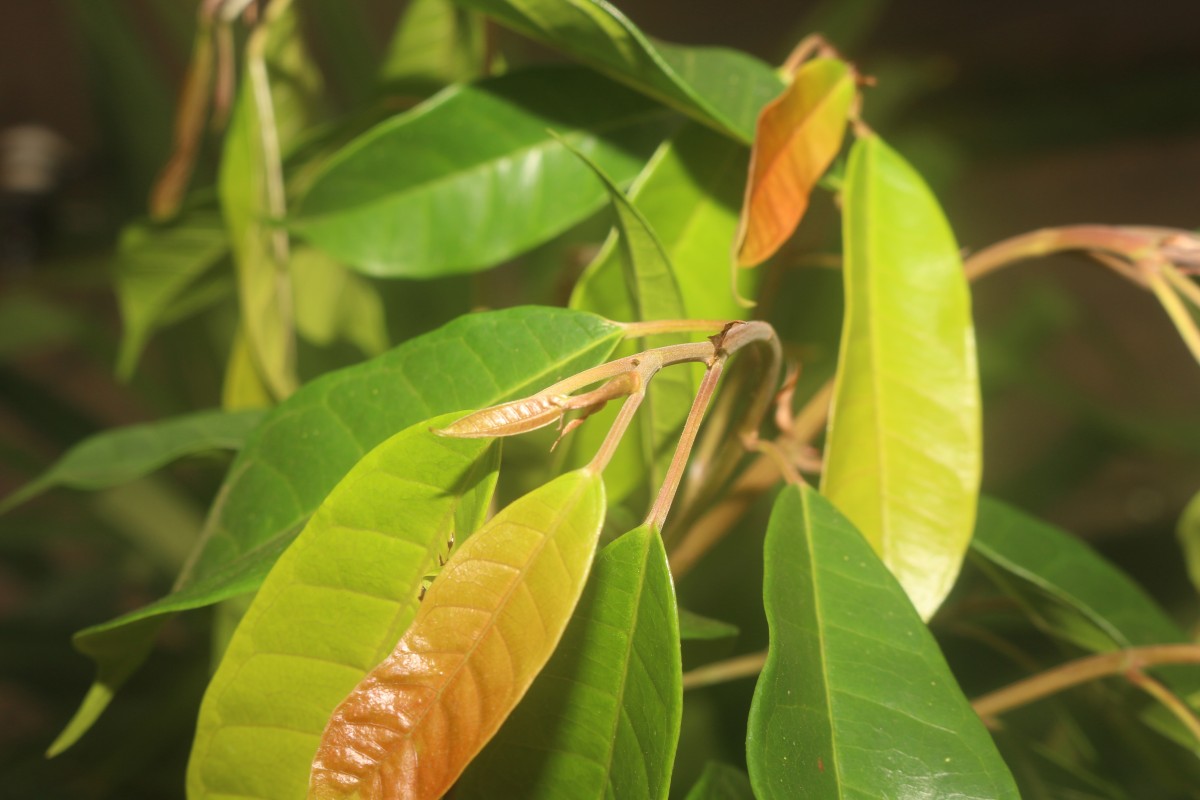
487,626
798,135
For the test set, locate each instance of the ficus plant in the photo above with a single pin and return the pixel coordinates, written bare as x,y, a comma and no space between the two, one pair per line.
408,611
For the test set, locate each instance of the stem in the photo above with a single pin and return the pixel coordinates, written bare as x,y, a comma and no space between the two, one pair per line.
1115,241
666,493
1176,310
638,330
1181,283
1171,701
731,669
1081,671
619,426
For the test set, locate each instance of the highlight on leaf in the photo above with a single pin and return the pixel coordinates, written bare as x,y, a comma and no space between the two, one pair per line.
487,626
798,135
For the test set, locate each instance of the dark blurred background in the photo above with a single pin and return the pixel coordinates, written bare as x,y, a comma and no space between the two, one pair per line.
1022,114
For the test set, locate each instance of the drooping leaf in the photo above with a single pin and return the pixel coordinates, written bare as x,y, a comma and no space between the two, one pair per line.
721,782
904,451
722,88
653,295
855,698
435,44
695,626
121,455
332,607
1189,539
475,175
309,442
333,303
276,99
486,627
797,137
602,719
154,266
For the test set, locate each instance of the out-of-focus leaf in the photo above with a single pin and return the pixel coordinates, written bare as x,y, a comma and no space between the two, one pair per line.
309,442
855,698
243,387
695,626
722,88
154,266
122,454
797,137
602,719
1189,539
436,43
904,452
487,626
266,122
721,782
333,606
343,31
476,175
334,303
30,322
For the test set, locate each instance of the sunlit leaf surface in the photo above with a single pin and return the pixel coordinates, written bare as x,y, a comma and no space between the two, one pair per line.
332,607
309,442
904,445
475,175
486,627
855,699
602,719
797,137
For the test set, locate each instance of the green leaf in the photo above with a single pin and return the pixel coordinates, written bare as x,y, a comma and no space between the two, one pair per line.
309,442
1189,539
30,322
333,303
475,175
602,719
435,44
721,782
265,125
722,88
695,626
333,606
121,455
855,698
904,446
488,624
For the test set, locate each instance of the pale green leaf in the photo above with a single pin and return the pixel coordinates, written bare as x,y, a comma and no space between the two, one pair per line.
602,719
855,699
695,626
333,303
903,453
333,606
435,44
1189,539
721,782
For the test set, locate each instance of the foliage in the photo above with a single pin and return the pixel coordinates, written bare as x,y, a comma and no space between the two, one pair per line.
399,611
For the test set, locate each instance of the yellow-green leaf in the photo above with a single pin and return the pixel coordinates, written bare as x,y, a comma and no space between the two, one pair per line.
904,450
487,626
332,607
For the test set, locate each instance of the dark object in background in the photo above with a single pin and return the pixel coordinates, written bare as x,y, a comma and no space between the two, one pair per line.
32,166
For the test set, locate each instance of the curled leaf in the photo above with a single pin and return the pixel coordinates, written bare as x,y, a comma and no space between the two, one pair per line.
798,135
486,627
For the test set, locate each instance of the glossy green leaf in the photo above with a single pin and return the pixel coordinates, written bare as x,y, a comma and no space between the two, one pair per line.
721,782
332,303
309,442
855,699
121,455
602,719
903,456
154,266
333,606
262,130
695,626
436,43
722,88
1189,539
487,626
475,175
